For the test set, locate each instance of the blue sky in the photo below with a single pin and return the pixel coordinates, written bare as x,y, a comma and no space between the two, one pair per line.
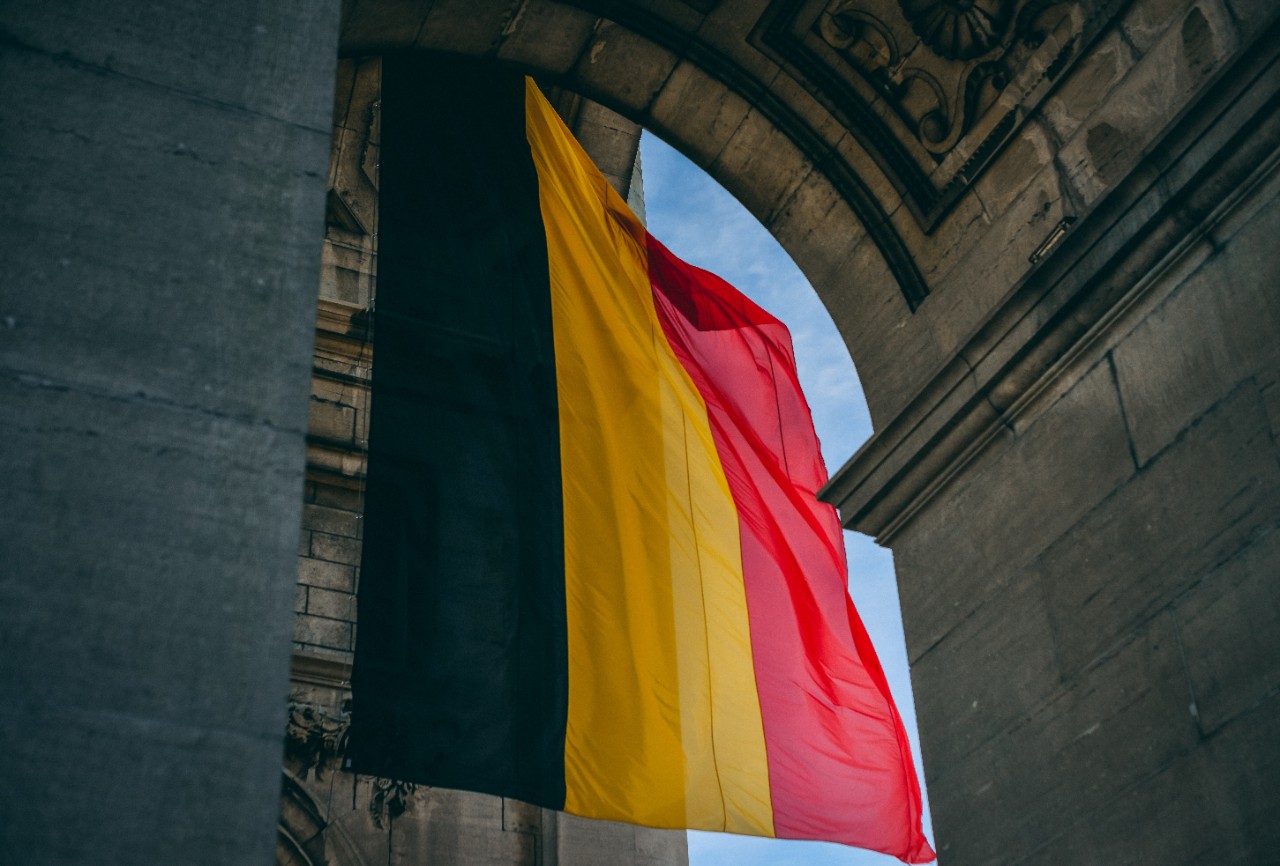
705,226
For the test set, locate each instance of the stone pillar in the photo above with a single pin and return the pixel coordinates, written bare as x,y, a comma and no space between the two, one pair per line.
163,174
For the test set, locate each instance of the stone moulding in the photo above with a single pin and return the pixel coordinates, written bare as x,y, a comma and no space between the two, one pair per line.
1062,314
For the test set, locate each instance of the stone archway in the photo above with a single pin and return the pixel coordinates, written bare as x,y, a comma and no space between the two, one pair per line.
977,263
1075,457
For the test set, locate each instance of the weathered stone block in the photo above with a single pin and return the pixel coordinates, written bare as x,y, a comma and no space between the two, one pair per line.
196,776
1144,23
275,59
1007,639
1214,804
761,166
1230,629
328,633
372,24
114,298
627,67
335,548
334,521
1195,505
1030,153
704,110
1252,16
329,575
660,847
339,497
586,841
330,604
866,304
1111,727
1108,145
967,543
1215,330
464,27
547,36
136,597
331,420
801,225
1090,81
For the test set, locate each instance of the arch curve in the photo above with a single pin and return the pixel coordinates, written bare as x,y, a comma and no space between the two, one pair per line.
791,168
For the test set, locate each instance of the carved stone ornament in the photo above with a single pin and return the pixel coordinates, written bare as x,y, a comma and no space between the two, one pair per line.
958,29
933,88
316,736
389,800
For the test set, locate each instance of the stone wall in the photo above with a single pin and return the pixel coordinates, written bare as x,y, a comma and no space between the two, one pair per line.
1086,542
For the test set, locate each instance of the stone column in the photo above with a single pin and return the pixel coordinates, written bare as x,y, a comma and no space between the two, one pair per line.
163,175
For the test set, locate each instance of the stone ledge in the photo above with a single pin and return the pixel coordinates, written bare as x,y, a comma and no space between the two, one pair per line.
320,670
1060,313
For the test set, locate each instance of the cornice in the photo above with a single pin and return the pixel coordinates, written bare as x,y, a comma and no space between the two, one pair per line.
318,670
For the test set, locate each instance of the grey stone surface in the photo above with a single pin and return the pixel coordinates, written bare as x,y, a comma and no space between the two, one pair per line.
626,67
257,56
583,842
330,575
960,551
1198,503
1214,804
163,179
1202,342
109,786
1005,640
134,596
163,171
1229,626
88,180
705,110
547,36
1089,742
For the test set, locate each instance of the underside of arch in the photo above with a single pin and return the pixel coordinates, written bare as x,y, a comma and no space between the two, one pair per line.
891,109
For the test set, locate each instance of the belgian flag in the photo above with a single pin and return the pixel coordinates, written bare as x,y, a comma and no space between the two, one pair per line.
596,577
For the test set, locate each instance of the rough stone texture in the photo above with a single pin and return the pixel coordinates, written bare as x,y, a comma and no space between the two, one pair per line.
163,173
1098,683
1067,474
1217,339
546,36
1229,625
1170,539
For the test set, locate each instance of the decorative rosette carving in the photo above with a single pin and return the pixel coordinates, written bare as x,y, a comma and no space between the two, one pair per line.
958,29
316,736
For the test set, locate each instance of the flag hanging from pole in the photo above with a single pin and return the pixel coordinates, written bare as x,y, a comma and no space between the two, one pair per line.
595,575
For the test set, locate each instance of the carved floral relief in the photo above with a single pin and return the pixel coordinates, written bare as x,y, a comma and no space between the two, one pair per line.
934,88
939,63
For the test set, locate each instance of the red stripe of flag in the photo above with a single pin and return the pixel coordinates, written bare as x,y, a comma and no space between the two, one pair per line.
839,764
